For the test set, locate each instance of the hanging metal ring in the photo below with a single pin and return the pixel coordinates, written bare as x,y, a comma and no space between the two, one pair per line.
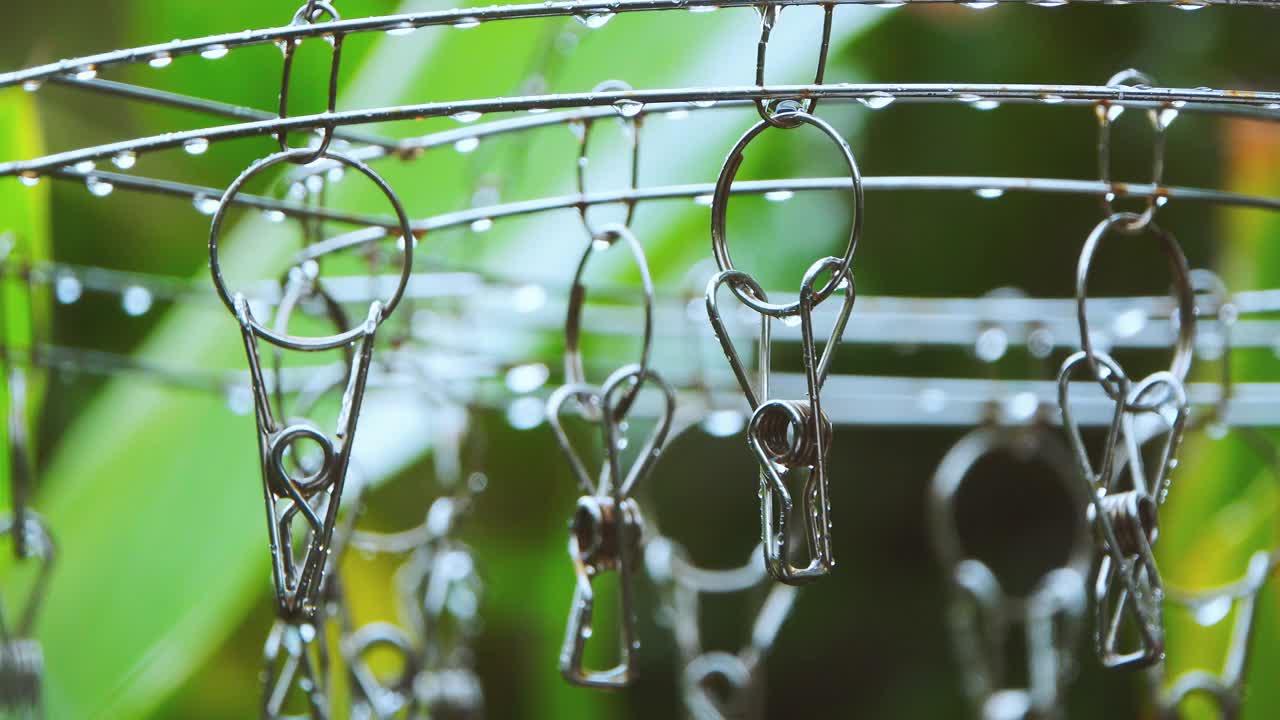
720,206
1185,345
770,111
574,371
286,340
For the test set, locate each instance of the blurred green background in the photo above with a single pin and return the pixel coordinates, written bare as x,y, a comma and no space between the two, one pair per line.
161,599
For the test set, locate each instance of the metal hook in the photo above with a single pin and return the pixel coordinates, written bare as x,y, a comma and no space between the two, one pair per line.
772,112
1184,349
979,618
21,471
293,342
1107,113
306,15
632,123
720,207
573,366
606,532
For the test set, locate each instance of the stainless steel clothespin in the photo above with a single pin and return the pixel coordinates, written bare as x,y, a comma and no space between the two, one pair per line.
314,493
1128,583
371,697
607,527
21,656
1225,689
982,610
788,436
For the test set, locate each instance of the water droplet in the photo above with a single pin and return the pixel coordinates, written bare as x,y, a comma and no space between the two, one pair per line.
30,179
163,60
401,30
205,205
274,216
703,8
1129,323
214,52
466,145
239,400
779,195
622,443
1165,117
525,413
1113,112
932,400
67,289
791,321
1189,6
528,298
1040,342
600,244
1021,407
1050,99
125,160
84,166
723,423
537,110
706,200
704,103
32,85
1216,430
877,100
196,146
992,344
1211,612
467,23
482,225
595,21
314,183
984,104
98,187
1049,3
523,379
88,72
628,108
136,300
989,193
889,5
982,5
466,116
586,632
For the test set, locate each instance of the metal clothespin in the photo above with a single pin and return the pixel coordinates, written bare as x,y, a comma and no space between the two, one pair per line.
371,697
607,527
1128,583
788,436
21,656
314,493
982,610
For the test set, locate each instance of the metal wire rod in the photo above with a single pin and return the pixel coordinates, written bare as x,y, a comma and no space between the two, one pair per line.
470,17
211,107
1266,105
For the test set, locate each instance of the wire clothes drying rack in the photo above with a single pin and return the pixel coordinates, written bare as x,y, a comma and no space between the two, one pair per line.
305,492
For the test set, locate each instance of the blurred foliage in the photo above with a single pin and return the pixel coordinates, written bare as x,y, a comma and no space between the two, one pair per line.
161,604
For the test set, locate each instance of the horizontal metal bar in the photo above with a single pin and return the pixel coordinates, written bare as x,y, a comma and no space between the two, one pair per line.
202,105
469,17
1266,105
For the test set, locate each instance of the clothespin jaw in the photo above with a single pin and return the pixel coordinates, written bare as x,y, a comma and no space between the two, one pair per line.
784,438
314,493
604,536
